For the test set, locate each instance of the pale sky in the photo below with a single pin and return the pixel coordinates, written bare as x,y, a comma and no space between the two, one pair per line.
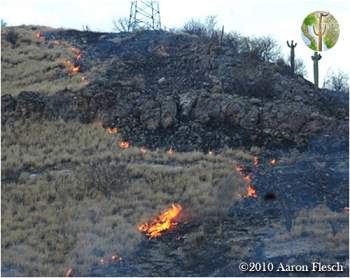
280,19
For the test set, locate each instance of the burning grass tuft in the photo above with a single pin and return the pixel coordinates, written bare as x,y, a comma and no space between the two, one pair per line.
38,64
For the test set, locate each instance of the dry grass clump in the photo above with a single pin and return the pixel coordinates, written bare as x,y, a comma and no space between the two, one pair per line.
37,145
76,196
329,228
34,63
316,230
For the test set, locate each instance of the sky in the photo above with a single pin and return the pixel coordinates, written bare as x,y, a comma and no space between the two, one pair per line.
280,19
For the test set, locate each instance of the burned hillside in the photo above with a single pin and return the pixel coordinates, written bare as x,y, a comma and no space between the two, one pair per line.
163,89
157,153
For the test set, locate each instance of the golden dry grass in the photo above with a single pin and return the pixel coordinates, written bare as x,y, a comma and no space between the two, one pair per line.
73,196
316,230
36,64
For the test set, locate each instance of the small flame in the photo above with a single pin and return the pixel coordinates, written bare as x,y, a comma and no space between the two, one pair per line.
116,258
39,35
69,272
123,144
75,69
170,152
210,153
164,222
112,130
72,68
75,50
251,191
247,178
273,162
255,161
143,150
113,259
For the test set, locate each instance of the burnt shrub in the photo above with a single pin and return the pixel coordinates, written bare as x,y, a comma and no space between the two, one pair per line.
206,28
260,49
102,177
194,27
337,81
11,37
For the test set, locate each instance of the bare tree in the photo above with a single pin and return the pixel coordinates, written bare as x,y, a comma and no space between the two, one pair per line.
337,81
300,67
206,28
261,49
194,27
210,24
121,24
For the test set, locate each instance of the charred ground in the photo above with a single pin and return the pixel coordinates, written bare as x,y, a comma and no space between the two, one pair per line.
178,90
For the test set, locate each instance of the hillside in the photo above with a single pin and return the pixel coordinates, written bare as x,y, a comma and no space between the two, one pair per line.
165,89
101,132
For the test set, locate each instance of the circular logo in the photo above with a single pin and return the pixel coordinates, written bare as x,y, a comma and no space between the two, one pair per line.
320,31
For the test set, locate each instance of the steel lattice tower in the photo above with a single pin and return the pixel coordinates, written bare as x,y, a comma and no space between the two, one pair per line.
144,14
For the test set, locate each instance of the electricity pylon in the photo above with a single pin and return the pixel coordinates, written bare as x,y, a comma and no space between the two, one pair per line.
144,14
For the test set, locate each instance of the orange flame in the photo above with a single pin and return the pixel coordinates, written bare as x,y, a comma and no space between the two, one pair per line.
164,222
71,67
112,130
143,150
39,35
114,258
255,161
69,272
123,144
170,152
75,50
251,191
273,162
75,69
247,179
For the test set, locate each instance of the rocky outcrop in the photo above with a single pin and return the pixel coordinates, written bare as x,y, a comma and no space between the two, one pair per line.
189,98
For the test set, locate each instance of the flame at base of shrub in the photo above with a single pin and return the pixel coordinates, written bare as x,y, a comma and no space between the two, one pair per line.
71,67
164,222
112,130
123,144
251,192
